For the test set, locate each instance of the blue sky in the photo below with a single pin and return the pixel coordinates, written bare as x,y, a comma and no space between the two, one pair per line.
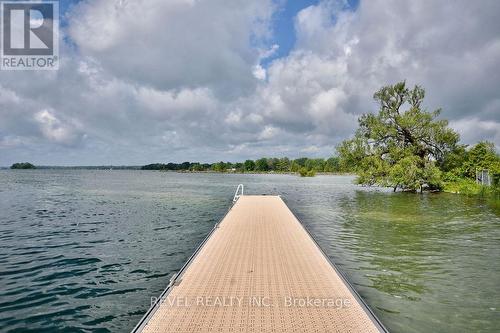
64,8
283,25
148,81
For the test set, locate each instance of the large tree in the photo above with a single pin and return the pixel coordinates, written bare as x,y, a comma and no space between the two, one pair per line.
400,146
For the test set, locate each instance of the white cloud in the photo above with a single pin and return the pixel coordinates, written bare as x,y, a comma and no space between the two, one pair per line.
8,96
175,44
176,103
266,53
55,130
473,130
183,79
268,133
259,72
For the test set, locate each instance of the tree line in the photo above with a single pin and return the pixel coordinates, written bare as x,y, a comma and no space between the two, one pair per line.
304,166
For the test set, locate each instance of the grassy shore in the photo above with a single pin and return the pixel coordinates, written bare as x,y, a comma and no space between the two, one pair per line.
470,187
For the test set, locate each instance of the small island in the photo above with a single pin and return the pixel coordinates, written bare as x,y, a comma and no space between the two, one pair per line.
23,166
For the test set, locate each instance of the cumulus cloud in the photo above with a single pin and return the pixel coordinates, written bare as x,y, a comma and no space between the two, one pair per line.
144,81
56,130
473,130
175,44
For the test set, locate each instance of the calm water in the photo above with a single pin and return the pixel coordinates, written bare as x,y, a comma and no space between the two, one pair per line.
83,251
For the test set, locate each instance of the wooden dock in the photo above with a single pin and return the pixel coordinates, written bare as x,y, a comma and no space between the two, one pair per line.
259,270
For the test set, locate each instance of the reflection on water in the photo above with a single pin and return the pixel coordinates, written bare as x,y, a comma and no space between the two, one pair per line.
85,250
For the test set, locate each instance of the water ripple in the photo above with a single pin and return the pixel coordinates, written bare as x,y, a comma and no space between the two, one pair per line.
83,251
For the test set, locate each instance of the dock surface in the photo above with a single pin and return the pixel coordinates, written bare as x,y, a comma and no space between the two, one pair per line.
260,271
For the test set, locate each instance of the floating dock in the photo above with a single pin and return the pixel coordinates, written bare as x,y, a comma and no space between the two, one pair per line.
259,270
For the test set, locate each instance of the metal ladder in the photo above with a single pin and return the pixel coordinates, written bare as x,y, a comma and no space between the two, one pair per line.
236,195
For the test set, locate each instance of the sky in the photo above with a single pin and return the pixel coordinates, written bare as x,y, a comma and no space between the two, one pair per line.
149,81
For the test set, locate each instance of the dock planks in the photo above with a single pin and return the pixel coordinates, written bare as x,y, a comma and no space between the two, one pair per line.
260,271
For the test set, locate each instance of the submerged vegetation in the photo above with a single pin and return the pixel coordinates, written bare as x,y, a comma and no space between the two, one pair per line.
408,148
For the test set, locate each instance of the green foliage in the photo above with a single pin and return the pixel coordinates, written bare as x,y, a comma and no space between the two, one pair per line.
396,147
481,156
238,167
261,164
373,170
219,166
413,175
352,153
463,186
196,167
317,164
461,165
249,165
295,166
304,172
454,160
24,165
332,164
283,164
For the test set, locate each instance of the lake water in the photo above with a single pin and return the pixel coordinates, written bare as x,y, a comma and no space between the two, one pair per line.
84,251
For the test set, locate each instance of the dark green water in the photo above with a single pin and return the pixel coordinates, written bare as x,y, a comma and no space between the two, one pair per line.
84,251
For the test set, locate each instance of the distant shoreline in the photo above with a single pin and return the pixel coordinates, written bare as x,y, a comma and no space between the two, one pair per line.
138,168
84,167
